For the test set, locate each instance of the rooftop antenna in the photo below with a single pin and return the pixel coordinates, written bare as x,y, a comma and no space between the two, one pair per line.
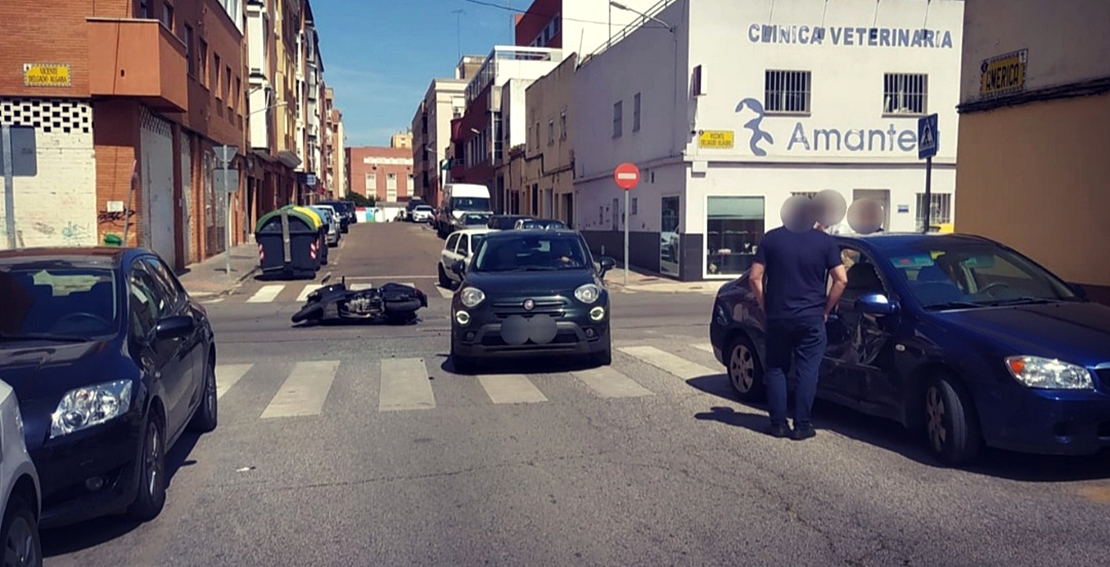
458,31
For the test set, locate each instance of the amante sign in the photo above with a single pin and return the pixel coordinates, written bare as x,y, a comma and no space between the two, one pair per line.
805,138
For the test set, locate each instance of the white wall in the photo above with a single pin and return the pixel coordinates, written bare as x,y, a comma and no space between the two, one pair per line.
846,76
594,199
593,21
1067,41
512,104
56,207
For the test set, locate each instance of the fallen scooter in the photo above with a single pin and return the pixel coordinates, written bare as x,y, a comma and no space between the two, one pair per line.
392,302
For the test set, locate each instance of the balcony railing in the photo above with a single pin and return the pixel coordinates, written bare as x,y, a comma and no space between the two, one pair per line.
487,73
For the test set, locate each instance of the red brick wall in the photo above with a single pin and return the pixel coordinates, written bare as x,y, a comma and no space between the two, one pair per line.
53,33
539,14
208,116
359,168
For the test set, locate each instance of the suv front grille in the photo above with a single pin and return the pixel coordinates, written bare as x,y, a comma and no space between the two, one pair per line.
552,307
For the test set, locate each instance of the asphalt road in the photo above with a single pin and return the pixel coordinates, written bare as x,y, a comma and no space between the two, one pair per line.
319,460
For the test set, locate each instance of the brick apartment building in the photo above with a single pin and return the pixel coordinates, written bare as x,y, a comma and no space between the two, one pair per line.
126,99
382,173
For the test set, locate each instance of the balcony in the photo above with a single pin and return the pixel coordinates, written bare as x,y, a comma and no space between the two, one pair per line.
138,58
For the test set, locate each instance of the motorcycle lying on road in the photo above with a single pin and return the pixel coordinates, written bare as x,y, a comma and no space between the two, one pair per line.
392,302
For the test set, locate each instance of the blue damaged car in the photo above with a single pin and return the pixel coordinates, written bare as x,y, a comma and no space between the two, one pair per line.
959,337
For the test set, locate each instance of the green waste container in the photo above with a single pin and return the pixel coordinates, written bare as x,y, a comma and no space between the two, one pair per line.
288,242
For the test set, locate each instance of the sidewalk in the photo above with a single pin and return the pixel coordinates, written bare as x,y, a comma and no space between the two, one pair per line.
210,278
655,283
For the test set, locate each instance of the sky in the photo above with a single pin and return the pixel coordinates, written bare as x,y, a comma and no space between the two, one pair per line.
380,56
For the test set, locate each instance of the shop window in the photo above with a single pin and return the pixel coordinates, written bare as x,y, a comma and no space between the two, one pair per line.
905,94
734,227
669,239
942,209
786,92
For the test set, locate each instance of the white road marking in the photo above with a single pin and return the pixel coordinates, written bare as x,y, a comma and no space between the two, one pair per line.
308,289
666,361
703,346
405,385
359,286
227,375
609,383
445,292
305,391
266,293
511,389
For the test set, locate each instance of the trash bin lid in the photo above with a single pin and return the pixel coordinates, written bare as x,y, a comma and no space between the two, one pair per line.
310,221
319,221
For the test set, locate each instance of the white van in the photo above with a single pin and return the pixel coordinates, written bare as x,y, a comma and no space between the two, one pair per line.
460,198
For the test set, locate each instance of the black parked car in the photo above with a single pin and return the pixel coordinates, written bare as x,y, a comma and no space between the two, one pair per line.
111,360
504,222
346,212
528,292
957,337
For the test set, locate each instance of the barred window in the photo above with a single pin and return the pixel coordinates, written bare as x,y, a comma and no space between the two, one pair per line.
942,209
905,94
787,92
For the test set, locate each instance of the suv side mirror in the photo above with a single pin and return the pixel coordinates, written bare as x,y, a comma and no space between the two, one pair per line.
876,304
607,264
459,267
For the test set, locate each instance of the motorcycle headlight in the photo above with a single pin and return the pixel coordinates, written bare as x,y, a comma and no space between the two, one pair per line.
1048,373
588,293
471,296
85,407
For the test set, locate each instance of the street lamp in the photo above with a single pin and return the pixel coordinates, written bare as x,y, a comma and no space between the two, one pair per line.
620,6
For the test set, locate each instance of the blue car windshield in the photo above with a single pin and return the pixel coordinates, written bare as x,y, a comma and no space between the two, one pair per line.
531,253
58,302
969,275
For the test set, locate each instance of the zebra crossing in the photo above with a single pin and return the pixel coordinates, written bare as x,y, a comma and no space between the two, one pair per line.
298,293
404,384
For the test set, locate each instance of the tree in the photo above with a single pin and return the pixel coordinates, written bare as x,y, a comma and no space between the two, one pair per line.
360,200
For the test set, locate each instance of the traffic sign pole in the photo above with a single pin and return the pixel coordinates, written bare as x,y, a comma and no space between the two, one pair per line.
627,176
626,237
928,193
9,195
927,142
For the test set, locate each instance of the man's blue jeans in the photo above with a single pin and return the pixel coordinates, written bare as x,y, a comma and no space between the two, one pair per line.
803,340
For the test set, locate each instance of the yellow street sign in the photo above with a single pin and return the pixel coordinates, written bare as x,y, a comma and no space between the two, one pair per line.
46,75
718,139
1003,74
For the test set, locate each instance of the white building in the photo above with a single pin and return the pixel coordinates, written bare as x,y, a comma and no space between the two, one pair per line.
743,104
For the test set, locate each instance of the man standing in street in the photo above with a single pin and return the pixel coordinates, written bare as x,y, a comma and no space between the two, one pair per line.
796,261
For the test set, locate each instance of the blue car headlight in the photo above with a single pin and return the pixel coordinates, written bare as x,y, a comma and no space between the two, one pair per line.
85,407
1049,373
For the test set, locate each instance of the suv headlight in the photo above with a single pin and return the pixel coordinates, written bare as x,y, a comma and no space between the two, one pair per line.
587,293
471,296
1048,373
85,407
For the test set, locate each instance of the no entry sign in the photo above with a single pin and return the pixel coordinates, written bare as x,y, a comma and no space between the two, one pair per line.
627,175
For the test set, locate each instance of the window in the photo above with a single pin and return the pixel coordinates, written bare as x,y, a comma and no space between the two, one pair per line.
787,92
235,95
905,94
371,184
734,227
167,15
227,86
216,76
635,205
391,187
410,185
452,241
190,62
537,134
636,113
551,132
202,58
941,209
168,286
144,9
147,305
618,111
563,125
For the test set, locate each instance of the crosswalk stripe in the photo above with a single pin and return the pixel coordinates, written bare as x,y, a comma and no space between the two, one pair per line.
308,289
227,375
266,293
704,346
511,389
359,286
405,385
609,383
305,391
446,293
666,361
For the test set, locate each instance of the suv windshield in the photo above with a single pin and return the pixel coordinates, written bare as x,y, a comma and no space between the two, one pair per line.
470,203
975,274
530,252
62,302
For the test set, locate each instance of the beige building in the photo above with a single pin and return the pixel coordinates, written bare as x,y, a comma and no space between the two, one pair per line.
401,140
541,175
1034,134
444,101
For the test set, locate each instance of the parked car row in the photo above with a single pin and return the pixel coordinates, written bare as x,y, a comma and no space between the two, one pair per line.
346,210
461,244
110,362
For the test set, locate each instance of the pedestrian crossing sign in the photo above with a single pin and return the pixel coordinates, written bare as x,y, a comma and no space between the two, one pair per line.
927,136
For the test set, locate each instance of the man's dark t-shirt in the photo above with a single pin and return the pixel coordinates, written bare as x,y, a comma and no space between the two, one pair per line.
796,270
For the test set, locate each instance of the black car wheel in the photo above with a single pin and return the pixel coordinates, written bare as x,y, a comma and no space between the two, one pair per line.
950,422
205,419
462,364
152,473
20,534
744,371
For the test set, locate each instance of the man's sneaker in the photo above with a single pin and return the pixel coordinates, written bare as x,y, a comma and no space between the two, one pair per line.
803,432
779,431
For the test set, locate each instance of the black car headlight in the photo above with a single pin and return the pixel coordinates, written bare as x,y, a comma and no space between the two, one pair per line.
87,406
471,297
1048,373
588,293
